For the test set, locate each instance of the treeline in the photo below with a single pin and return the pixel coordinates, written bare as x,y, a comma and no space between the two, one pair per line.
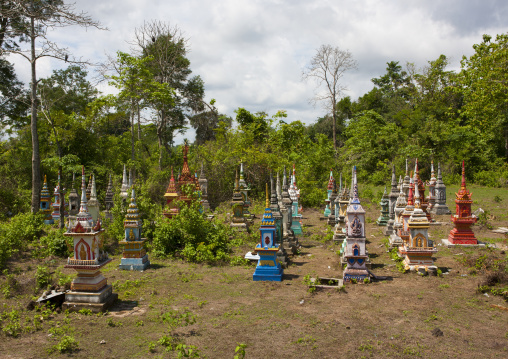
428,113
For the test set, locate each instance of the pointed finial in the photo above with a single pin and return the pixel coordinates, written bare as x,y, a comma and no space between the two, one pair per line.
406,168
237,185
93,193
267,203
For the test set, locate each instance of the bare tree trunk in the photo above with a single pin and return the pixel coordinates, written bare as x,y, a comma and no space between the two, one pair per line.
133,152
139,123
62,200
36,161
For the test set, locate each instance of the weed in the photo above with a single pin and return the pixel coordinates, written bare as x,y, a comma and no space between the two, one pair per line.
85,311
306,340
42,277
202,303
431,318
167,342
187,351
444,286
240,351
405,312
66,345
113,324
151,347
175,318
239,261
140,323
497,199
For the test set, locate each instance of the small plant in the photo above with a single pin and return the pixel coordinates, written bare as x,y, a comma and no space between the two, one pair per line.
139,323
112,323
42,277
432,317
240,351
66,345
497,199
187,351
151,347
354,281
444,286
366,280
85,311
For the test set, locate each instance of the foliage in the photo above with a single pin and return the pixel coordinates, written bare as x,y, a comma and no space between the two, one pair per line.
42,277
192,236
17,233
54,243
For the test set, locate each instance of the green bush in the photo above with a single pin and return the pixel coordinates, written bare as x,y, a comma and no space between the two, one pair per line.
42,277
192,236
16,234
54,243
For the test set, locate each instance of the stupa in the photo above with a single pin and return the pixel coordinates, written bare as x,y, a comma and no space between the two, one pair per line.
355,252
329,190
73,199
125,185
244,190
463,219
407,180
93,203
418,251
331,218
287,217
171,196
187,184
279,190
46,203
341,206
203,184
89,188
238,220
59,201
421,189
134,254
268,268
89,290
440,206
406,214
431,199
395,239
294,195
384,217
392,199
282,256
108,200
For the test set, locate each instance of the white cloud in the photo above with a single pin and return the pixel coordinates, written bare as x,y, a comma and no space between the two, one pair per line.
250,53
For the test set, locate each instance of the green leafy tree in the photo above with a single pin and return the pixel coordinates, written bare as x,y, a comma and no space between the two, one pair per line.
31,20
169,64
484,85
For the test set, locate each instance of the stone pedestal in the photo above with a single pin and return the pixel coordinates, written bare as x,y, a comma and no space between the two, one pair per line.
268,268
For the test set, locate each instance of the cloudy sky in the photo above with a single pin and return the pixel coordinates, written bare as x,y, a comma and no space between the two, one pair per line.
251,53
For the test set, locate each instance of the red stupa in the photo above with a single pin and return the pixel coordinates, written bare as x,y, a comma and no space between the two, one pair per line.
182,189
463,219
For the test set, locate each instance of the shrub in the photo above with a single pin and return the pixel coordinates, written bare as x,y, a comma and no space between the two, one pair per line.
17,233
192,236
54,243
42,277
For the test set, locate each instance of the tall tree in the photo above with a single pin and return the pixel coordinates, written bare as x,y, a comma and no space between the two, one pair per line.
484,81
34,19
327,69
168,49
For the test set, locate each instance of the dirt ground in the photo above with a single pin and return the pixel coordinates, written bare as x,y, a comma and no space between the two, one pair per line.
393,318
